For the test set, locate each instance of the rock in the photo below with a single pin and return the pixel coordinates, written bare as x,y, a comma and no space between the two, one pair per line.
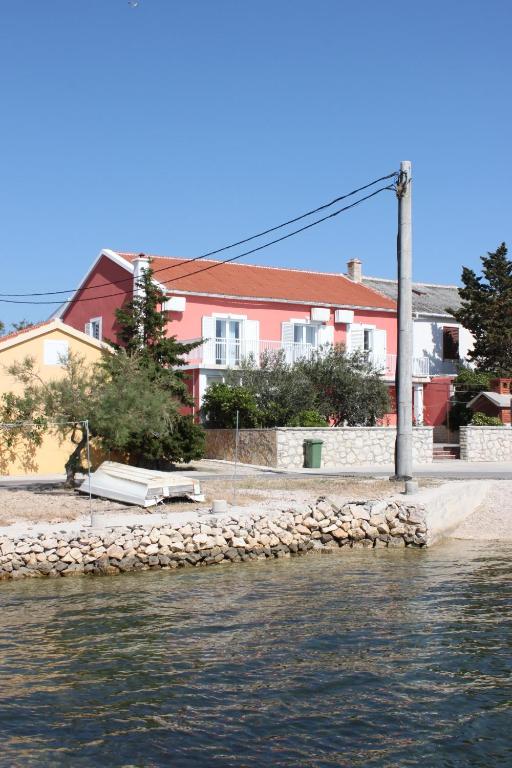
323,507
378,507
356,534
391,514
116,552
49,543
7,548
186,531
398,530
164,541
370,530
416,516
339,534
152,549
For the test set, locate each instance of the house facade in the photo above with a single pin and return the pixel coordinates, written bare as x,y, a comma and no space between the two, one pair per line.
437,338
237,310
48,344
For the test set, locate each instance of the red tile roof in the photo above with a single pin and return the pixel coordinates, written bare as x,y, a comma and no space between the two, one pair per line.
13,334
275,283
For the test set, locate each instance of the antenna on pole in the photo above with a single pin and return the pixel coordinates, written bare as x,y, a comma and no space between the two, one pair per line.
403,448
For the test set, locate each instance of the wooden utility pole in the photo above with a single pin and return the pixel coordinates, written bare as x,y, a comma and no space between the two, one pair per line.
403,451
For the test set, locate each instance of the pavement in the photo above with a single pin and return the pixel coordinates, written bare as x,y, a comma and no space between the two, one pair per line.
453,469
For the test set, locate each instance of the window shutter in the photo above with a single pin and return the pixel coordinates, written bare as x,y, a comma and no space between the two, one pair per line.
326,335
288,338
355,339
450,342
208,334
251,338
379,351
379,342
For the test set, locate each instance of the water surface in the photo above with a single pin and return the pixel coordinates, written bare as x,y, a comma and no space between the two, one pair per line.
366,658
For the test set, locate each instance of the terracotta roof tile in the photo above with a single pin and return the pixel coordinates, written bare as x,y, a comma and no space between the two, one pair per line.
13,334
252,281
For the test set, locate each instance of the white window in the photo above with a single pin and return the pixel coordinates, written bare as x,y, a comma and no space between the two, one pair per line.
229,338
305,334
368,339
227,341
55,352
94,328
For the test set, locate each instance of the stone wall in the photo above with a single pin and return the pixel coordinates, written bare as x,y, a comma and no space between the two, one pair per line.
343,446
486,443
256,446
349,446
323,525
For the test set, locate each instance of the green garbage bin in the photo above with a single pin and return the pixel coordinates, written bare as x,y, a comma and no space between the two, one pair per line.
313,453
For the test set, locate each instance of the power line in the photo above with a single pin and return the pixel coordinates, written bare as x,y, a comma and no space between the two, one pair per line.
216,263
218,250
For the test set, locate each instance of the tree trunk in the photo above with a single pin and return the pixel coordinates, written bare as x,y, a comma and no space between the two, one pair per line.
72,465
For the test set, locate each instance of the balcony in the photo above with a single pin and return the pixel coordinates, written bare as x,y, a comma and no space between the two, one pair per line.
229,353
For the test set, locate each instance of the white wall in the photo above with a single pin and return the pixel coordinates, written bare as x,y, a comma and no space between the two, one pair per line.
428,342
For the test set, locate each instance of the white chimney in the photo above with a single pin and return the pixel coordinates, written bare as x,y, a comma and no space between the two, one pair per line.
140,265
355,270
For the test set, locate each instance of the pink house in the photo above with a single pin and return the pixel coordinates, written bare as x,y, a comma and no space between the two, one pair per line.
240,309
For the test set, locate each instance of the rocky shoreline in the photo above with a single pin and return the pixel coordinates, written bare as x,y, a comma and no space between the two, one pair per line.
210,540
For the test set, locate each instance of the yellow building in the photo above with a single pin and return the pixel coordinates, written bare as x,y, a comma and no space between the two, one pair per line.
48,344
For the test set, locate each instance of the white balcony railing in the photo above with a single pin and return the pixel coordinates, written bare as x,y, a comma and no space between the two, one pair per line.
229,353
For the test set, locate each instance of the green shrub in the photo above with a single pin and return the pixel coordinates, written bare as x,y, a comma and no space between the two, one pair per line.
480,419
222,401
308,419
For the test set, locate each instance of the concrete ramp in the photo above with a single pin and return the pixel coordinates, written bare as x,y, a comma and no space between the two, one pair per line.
144,487
447,505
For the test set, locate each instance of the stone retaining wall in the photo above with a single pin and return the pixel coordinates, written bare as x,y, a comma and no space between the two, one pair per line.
349,446
486,443
209,540
343,446
255,446
283,448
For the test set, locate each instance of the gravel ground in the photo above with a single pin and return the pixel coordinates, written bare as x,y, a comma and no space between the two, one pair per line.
493,522
59,504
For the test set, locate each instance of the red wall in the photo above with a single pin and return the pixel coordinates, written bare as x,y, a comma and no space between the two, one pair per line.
102,301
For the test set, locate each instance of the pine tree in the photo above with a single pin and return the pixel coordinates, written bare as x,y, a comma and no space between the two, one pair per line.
142,334
486,311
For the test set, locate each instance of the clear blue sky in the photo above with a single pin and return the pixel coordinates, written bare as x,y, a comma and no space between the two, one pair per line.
176,127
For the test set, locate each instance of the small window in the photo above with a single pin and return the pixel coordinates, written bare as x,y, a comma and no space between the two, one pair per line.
94,328
450,342
368,339
55,352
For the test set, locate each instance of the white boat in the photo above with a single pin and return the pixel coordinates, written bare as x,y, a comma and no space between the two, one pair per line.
134,485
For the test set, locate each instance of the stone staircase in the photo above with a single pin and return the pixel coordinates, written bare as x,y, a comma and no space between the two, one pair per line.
446,451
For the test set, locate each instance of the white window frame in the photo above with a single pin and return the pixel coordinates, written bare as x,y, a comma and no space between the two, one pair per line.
89,326
50,354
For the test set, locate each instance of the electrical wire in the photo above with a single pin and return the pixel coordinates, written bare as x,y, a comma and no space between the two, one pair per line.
214,264
218,250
